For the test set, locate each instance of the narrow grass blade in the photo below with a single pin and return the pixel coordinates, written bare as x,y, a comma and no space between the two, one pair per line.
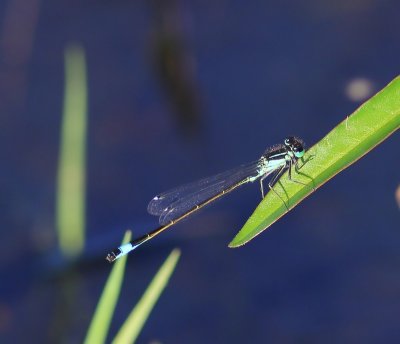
134,323
98,329
71,188
368,126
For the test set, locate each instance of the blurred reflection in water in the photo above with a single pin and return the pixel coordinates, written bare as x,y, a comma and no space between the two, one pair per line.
175,65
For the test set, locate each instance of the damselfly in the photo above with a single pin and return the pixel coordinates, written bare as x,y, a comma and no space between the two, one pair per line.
179,203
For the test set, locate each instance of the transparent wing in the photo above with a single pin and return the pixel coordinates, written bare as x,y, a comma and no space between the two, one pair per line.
176,202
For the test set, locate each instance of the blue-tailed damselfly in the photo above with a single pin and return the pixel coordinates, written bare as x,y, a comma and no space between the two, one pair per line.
179,203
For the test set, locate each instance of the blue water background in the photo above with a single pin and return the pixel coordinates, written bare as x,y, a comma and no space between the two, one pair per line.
328,272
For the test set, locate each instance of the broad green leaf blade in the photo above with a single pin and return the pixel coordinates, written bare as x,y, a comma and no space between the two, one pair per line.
71,185
134,323
101,320
368,126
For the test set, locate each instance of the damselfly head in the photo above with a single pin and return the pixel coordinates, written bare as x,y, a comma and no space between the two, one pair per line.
296,145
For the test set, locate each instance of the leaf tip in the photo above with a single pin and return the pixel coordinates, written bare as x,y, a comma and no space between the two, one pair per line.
236,242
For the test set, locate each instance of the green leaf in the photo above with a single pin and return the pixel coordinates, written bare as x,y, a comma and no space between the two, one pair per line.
71,184
101,320
134,323
368,126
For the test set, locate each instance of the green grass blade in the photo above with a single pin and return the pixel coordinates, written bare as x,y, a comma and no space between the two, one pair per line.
134,323
98,329
368,126
71,185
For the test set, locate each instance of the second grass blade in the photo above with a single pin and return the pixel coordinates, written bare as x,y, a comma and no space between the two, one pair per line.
135,321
